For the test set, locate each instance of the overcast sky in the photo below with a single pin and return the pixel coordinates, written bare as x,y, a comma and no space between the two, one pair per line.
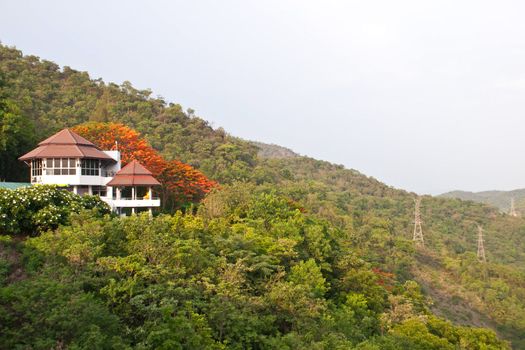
428,96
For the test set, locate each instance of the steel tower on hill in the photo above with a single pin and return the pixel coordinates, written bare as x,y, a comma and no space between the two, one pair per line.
481,247
512,211
418,231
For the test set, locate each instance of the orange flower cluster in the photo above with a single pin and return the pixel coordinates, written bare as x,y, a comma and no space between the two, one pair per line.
183,182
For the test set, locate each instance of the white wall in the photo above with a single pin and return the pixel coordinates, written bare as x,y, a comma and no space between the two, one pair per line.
79,180
73,180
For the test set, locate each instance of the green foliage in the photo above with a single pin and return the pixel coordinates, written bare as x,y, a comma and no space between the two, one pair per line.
42,313
17,136
309,276
245,279
187,330
438,334
434,334
34,209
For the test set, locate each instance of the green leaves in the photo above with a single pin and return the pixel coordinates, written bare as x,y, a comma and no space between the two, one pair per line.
38,208
261,275
17,136
435,334
41,314
308,275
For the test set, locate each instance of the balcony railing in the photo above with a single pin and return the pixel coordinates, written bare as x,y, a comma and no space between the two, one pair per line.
127,202
136,199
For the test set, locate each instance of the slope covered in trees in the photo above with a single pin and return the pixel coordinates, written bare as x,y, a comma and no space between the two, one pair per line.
273,151
498,199
289,252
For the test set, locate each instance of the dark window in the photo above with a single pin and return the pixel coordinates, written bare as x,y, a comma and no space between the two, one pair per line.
90,167
61,166
99,190
36,167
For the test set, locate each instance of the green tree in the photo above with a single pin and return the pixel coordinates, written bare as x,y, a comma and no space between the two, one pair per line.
16,138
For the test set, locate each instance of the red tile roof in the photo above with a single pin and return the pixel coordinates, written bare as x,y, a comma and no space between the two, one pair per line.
66,137
133,174
66,144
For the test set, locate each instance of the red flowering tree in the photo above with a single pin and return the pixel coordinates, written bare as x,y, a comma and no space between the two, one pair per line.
181,183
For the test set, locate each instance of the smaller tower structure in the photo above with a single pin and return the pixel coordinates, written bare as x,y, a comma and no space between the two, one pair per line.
418,231
481,247
512,211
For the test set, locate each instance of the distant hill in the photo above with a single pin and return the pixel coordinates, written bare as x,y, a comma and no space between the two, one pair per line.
498,199
274,151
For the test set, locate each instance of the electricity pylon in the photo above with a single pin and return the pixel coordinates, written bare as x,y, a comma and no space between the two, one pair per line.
481,247
418,231
512,211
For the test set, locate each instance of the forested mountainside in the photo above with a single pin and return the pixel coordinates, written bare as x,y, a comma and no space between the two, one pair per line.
289,253
498,199
273,151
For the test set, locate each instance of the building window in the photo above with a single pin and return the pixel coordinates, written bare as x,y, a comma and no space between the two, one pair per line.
61,166
91,167
36,167
99,191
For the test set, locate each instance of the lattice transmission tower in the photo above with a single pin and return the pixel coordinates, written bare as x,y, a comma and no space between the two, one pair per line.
512,211
481,247
418,231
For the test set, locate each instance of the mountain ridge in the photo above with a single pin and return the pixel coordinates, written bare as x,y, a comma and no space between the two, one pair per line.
499,199
270,150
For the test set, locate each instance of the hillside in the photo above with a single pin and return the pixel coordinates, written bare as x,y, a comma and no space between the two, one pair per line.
274,151
499,199
276,212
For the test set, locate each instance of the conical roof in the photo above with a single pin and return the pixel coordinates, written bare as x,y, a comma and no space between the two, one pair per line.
66,137
134,168
66,144
133,174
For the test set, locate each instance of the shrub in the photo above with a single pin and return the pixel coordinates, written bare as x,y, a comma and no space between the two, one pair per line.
35,209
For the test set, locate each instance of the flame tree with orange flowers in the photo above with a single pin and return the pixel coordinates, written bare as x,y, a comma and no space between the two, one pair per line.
181,183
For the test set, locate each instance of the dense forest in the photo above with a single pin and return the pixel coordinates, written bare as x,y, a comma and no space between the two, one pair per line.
286,252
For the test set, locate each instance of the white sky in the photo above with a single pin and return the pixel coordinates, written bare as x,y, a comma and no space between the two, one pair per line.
423,95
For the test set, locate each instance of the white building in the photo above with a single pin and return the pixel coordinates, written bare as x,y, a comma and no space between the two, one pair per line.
70,160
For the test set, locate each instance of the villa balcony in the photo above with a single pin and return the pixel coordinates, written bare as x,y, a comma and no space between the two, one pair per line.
71,180
132,203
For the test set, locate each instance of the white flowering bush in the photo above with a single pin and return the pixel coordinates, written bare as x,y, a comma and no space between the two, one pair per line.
34,209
